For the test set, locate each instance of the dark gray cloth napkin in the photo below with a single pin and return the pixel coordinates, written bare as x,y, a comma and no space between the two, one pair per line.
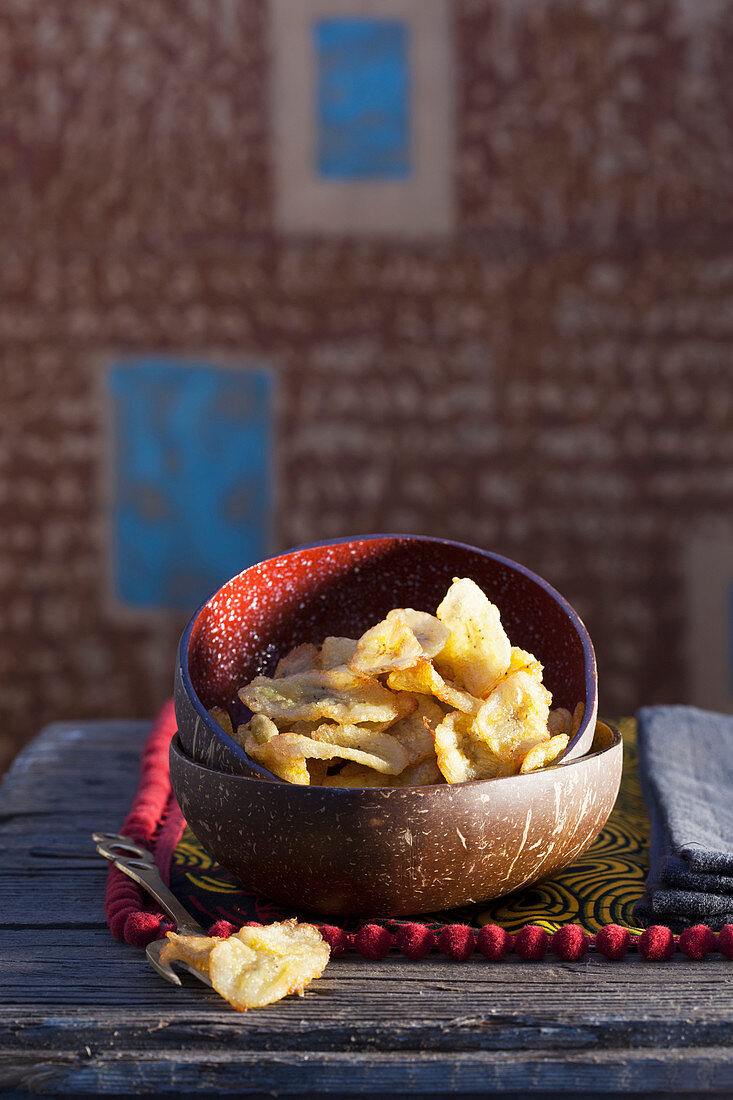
686,768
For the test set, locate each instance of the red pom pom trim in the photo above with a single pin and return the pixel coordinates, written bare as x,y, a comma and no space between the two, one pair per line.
656,944
373,941
697,942
531,943
494,942
613,941
414,940
338,940
725,941
142,928
457,941
222,928
570,942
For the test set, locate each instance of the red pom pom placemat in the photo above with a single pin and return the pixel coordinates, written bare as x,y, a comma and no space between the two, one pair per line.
587,906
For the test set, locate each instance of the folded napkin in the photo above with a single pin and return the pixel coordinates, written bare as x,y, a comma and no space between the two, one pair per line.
686,769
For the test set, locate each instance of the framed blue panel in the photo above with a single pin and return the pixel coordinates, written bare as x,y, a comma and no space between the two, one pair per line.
363,98
192,483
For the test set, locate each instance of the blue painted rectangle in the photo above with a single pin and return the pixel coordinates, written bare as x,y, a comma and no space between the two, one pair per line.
192,492
363,98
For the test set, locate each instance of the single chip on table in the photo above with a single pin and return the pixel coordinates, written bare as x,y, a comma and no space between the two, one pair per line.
461,756
255,966
337,694
514,717
544,753
221,717
192,950
387,646
426,680
478,651
336,652
300,659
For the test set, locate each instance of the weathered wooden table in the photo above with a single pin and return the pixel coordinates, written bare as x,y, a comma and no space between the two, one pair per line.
81,1014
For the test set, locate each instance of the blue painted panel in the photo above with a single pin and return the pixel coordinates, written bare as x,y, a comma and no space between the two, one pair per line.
192,483
363,98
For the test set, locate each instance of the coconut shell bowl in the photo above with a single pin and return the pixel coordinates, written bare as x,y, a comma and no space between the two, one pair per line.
382,851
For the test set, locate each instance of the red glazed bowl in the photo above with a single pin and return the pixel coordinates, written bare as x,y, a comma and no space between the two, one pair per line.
383,851
342,588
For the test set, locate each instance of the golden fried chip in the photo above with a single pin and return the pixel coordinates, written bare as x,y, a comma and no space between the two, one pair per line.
478,651
356,775
560,720
521,661
193,950
299,659
425,680
415,732
544,753
287,754
425,773
221,716
336,652
318,772
338,694
388,645
380,751
429,631
255,966
281,759
578,715
514,717
461,756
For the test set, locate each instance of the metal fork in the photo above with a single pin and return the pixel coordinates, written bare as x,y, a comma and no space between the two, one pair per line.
138,864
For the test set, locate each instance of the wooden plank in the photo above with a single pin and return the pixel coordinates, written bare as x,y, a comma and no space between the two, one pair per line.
289,1073
82,1014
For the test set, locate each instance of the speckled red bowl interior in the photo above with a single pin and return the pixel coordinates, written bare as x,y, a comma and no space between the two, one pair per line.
344,587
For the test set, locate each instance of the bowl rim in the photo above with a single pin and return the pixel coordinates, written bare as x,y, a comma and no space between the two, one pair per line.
177,749
591,672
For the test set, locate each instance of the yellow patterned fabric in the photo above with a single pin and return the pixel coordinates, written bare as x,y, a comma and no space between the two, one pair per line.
599,888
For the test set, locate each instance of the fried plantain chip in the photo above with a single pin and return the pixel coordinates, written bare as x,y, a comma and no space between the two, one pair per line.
578,715
338,694
415,732
478,651
545,753
387,646
221,716
429,631
288,752
560,720
336,652
514,717
426,680
521,661
300,659
255,966
380,751
425,773
193,950
461,756
356,775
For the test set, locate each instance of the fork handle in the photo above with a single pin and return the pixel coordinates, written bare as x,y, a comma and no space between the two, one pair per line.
139,865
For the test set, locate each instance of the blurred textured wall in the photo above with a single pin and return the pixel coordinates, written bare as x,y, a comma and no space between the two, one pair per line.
546,374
